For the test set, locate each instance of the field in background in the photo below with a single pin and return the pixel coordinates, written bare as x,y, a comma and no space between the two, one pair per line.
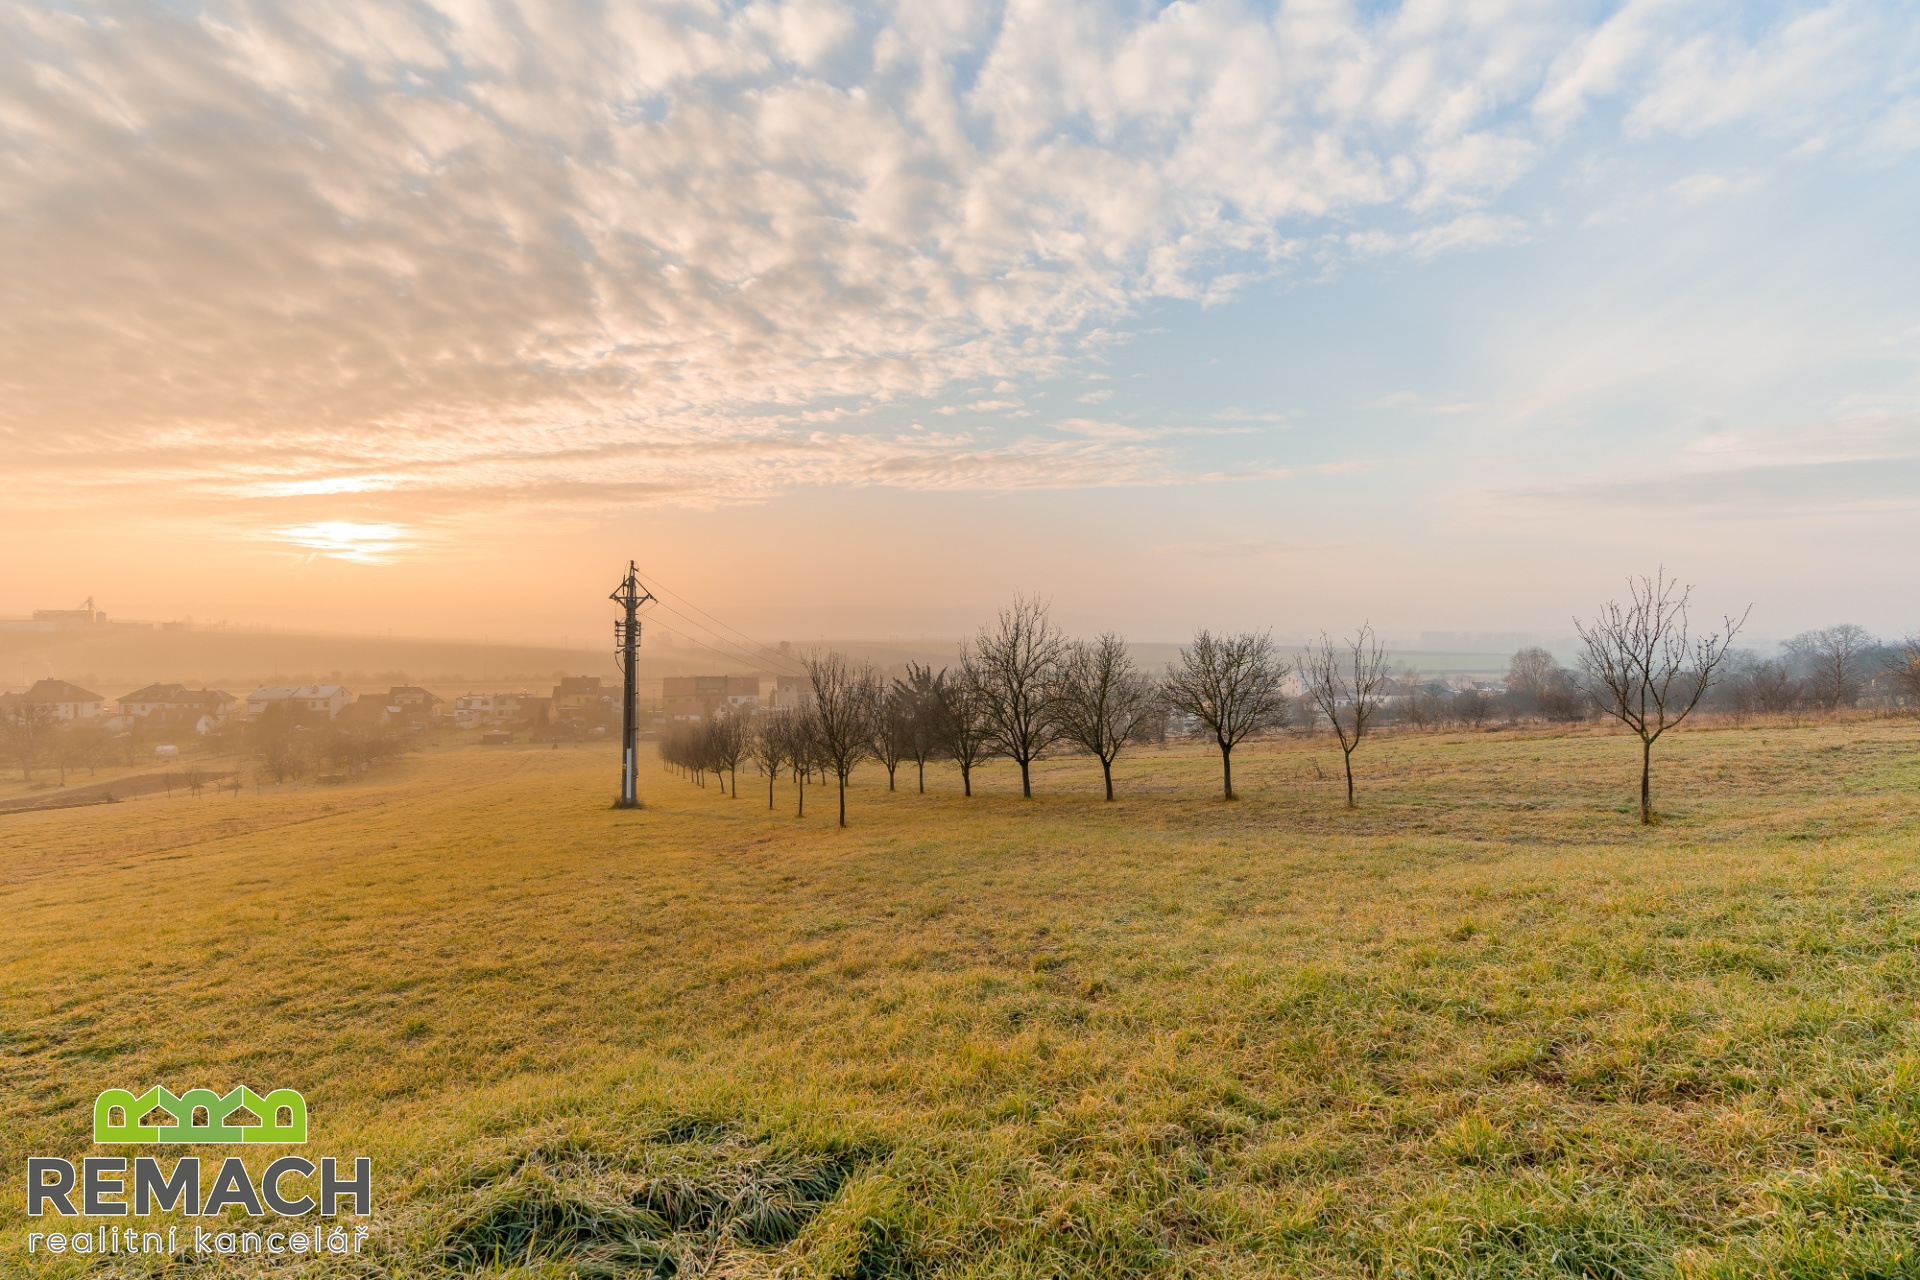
1484,1026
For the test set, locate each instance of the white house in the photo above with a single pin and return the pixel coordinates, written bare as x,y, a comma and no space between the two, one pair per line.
475,710
202,710
305,700
66,701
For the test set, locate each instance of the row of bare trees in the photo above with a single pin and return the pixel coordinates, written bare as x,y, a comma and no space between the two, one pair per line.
1022,689
1826,670
33,736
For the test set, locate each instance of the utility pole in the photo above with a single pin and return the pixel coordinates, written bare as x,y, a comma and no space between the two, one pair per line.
630,595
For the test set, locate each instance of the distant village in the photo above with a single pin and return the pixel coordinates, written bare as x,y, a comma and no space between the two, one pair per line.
577,706
328,729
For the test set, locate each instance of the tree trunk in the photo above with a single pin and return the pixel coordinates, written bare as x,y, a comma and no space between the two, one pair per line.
1646,785
1026,781
801,812
890,769
1348,756
769,810
923,777
843,799
1226,771
1106,767
966,780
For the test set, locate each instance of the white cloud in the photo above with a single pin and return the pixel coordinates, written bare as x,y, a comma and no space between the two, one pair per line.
294,251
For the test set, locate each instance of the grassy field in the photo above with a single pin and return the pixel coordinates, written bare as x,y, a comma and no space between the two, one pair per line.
1484,1026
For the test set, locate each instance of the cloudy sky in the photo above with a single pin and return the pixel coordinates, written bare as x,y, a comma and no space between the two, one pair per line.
858,318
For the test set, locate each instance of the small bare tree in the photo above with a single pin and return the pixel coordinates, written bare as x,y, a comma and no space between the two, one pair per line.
1530,673
1102,700
767,748
91,743
729,737
26,731
846,697
1232,684
965,731
892,729
1643,667
922,695
803,752
1347,683
1771,688
1836,662
1903,668
1017,660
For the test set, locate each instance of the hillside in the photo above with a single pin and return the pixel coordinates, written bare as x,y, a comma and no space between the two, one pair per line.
1485,1026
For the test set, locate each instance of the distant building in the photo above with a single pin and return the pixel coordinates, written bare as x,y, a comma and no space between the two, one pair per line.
698,697
580,700
67,702
790,692
368,711
304,700
480,710
85,616
412,706
412,698
176,706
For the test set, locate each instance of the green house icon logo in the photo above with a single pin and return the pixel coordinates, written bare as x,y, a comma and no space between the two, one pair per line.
199,1115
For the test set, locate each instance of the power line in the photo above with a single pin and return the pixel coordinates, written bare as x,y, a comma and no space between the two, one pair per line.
735,650
653,619
702,612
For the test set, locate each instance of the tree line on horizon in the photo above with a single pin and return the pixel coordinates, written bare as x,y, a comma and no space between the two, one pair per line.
1022,689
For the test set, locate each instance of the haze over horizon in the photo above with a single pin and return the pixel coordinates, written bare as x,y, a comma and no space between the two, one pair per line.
854,320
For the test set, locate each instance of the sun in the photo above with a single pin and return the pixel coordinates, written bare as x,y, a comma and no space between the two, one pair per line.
347,540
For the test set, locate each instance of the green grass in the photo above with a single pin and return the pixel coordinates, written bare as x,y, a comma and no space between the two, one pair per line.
1487,1025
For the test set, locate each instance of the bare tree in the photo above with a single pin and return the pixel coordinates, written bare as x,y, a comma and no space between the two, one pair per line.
1836,662
1768,687
1102,701
1903,668
1418,707
1644,668
729,737
1232,684
1016,661
767,748
965,732
922,695
1530,673
688,747
803,752
845,706
892,729
1347,681
89,742
26,731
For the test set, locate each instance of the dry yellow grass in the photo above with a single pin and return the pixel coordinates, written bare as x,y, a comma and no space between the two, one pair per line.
1486,1025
